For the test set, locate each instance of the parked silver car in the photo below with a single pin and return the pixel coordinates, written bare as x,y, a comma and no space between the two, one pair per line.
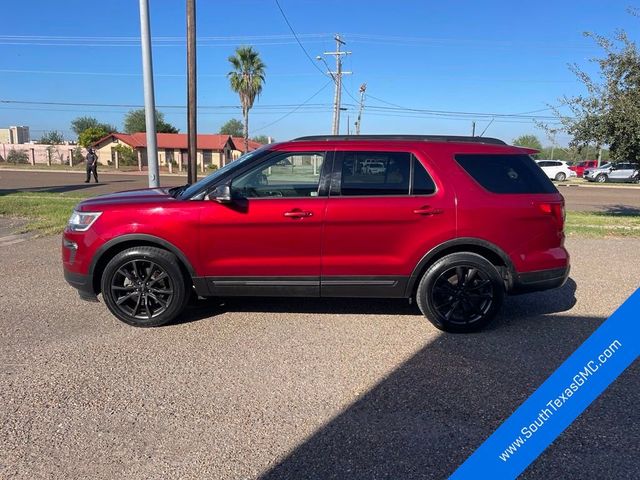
614,172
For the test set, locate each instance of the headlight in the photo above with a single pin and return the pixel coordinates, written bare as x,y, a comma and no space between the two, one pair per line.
82,221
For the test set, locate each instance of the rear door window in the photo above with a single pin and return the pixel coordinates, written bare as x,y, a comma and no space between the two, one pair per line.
510,173
375,173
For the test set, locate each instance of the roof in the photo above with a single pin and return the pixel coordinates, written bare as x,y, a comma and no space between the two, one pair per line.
205,141
239,143
421,138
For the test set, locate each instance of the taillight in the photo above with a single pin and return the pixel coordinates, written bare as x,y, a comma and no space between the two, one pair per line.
556,210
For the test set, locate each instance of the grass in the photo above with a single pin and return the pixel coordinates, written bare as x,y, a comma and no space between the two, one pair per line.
47,213
603,224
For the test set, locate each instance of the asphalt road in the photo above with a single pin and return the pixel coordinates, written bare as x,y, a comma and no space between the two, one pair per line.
579,198
295,389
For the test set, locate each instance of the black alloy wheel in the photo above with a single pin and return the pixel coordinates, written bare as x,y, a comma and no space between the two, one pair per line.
142,289
462,295
460,292
144,286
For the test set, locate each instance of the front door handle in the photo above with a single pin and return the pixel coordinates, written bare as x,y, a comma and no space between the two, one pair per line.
296,213
427,210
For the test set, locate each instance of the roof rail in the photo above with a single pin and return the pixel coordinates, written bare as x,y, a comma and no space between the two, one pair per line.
422,138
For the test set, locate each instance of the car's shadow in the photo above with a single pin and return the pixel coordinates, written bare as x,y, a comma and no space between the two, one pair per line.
427,416
558,300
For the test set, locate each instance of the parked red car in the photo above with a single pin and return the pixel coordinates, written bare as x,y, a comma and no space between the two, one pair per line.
454,222
579,168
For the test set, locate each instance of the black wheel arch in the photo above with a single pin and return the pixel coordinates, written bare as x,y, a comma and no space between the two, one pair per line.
486,249
114,246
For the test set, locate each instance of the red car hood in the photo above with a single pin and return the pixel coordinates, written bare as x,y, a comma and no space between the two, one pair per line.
146,195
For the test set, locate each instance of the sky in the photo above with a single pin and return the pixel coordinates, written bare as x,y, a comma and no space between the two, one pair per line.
480,58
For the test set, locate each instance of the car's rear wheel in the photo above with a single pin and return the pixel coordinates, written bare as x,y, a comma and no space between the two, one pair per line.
561,176
461,292
602,178
144,286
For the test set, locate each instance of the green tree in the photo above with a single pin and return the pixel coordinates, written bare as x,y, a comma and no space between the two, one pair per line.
609,112
91,135
529,141
233,127
246,79
134,121
80,124
263,139
52,138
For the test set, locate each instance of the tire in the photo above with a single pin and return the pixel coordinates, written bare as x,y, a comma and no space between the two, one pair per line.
561,176
466,309
144,287
602,178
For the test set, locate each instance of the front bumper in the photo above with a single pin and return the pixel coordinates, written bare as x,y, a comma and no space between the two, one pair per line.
82,283
539,280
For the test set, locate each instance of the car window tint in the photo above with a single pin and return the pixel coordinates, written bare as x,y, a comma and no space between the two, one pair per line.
375,173
422,182
506,173
292,174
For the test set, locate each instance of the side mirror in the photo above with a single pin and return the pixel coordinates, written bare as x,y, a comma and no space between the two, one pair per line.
221,194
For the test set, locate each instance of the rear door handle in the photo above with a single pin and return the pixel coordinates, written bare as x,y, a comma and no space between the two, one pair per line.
427,210
296,213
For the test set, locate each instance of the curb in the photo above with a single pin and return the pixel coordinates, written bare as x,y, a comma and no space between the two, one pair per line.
586,185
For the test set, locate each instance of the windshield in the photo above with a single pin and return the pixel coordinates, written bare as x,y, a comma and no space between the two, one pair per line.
211,179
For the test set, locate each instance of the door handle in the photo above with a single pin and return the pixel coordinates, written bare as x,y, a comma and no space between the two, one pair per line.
298,213
427,210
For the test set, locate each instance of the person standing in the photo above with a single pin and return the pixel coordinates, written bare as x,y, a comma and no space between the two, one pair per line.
92,165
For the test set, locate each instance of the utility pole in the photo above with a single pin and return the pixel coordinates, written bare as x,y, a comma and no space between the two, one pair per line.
192,129
473,128
363,89
149,97
337,79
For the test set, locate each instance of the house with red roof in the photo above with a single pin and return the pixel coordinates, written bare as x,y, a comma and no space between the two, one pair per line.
214,150
239,143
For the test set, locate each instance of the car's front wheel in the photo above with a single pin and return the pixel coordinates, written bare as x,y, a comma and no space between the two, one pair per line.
602,178
561,176
461,292
144,286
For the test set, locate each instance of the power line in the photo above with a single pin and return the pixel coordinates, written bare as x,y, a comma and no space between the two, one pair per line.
295,109
297,39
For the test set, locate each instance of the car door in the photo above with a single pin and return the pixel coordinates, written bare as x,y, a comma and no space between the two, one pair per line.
621,173
267,240
380,222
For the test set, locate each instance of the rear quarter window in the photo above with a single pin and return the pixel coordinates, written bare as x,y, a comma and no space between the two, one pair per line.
511,173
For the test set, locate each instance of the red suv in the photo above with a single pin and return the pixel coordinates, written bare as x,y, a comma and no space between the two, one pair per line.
579,168
454,222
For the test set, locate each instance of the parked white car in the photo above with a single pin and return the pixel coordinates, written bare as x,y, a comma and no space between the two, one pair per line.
556,169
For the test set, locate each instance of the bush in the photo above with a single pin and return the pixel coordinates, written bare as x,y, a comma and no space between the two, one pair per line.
126,156
212,166
17,156
77,155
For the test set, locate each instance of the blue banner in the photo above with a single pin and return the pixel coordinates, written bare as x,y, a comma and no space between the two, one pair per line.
560,399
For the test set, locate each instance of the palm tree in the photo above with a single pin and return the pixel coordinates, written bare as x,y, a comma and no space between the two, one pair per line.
246,80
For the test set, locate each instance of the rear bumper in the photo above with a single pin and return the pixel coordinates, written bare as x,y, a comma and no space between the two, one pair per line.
539,280
82,283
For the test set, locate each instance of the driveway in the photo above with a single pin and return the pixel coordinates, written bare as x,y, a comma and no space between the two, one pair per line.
276,388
